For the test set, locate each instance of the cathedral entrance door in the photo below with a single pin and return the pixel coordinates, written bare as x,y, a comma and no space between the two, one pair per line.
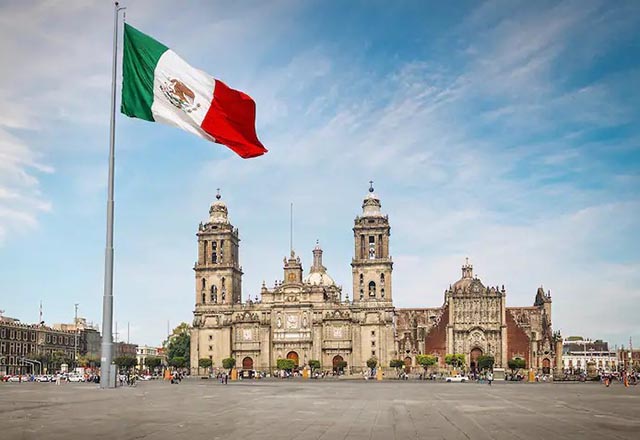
338,364
407,365
294,357
475,354
247,367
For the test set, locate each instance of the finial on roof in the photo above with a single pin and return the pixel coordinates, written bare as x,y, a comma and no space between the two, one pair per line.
370,186
218,196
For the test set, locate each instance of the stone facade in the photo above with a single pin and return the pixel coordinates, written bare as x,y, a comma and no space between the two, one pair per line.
306,317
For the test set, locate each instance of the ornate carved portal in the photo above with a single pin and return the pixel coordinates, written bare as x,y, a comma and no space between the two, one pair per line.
338,365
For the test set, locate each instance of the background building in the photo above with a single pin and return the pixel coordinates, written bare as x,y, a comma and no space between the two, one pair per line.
22,343
578,351
307,318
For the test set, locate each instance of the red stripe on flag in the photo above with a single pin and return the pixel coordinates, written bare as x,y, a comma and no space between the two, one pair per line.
231,121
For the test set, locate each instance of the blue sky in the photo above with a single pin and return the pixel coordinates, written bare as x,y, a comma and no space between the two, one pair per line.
503,131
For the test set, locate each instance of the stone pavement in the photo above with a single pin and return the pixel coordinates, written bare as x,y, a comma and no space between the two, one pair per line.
327,410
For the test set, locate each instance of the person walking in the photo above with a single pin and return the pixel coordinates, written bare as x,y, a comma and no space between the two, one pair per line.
489,377
226,378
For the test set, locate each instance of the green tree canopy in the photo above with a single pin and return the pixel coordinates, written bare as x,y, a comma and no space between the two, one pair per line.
314,364
228,363
178,362
58,358
426,360
285,364
179,344
516,363
486,362
372,363
455,360
204,362
341,365
396,363
153,362
126,362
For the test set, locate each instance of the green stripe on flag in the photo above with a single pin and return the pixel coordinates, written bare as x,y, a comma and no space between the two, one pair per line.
141,55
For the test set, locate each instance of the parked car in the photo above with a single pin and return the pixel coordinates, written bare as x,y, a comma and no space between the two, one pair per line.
457,378
42,378
75,378
14,379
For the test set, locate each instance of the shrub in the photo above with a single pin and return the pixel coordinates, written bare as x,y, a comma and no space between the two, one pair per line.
396,363
228,363
426,360
372,363
314,364
285,364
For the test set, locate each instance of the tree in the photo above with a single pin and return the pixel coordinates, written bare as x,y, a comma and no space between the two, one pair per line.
396,363
125,362
485,362
205,363
58,358
228,363
179,344
285,364
82,361
516,364
314,364
372,363
178,362
152,362
455,360
426,361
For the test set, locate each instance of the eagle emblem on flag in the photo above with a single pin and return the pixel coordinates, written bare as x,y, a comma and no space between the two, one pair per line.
179,95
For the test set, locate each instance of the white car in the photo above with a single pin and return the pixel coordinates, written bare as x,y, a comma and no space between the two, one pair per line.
42,378
75,378
14,379
457,378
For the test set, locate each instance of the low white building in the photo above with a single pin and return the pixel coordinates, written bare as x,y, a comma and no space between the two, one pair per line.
144,351
577,352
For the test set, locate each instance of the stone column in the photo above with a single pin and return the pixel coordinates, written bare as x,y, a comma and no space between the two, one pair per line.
559,369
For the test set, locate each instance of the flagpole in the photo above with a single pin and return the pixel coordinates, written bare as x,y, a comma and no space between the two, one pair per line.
107,381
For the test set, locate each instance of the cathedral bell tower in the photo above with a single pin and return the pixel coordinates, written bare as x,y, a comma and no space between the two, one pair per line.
218,274
371,264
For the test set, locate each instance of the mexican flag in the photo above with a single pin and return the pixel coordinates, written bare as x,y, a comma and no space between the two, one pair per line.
159,86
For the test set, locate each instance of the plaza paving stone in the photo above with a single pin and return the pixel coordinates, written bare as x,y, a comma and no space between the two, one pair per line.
322,410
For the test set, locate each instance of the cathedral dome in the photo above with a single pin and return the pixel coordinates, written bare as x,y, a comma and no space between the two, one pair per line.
319,279
468,282
318,273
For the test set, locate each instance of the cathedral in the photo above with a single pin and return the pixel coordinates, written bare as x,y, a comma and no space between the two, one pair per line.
305,316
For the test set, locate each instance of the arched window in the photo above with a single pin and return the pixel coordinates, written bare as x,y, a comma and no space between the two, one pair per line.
221,251
214,294
372,288
382,285
204,297
204,284
361,293
372,247
214,252
361,279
